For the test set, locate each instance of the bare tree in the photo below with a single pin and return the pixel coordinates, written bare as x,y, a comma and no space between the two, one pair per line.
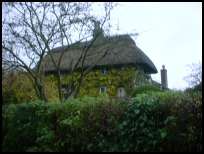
32,30
83,25
195,76
23,41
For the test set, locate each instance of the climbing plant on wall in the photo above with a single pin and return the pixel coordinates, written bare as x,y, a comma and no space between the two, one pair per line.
127,77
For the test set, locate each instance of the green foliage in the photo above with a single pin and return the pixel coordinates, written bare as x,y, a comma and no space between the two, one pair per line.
51,89
156,121
112,80
141,78
93,80
162,121
17,88
72,126
146,88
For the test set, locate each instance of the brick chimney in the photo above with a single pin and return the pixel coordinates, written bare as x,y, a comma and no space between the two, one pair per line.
164,82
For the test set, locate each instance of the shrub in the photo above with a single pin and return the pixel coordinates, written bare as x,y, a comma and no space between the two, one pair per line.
72,126
147,88
156,121
161,121
17,88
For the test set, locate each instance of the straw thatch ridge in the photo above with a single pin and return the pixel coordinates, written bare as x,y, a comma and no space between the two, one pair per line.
118,50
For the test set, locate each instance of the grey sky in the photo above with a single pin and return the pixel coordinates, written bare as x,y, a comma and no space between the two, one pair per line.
169,33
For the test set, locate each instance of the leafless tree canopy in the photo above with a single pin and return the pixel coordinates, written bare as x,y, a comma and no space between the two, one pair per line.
195,76
32,30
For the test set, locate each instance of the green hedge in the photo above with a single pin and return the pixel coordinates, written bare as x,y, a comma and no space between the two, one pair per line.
147,88
72,126
160,121
17,88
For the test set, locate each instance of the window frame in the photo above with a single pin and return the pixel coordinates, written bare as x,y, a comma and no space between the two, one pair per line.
104,71
104,89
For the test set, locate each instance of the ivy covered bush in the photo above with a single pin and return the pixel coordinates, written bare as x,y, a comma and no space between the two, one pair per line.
17,88
72,126
145,88
160,121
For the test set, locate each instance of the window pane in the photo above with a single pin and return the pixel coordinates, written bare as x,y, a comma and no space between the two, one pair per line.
104,71
103,89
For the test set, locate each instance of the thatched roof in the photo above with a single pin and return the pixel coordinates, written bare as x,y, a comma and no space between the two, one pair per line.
118,50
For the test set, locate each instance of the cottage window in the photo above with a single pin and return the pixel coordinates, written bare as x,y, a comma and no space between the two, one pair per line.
104,71
121,92
103,89
66,90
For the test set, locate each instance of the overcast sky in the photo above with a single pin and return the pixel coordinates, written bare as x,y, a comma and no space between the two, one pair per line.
169,34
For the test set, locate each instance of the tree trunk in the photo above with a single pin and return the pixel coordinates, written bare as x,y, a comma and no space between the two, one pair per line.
76,91
59,86
40,90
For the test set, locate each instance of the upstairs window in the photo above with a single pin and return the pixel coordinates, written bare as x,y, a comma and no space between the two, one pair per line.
122,68
103,89
104,71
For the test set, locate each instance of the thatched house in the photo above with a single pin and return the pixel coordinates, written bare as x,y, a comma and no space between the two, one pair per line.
116,60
